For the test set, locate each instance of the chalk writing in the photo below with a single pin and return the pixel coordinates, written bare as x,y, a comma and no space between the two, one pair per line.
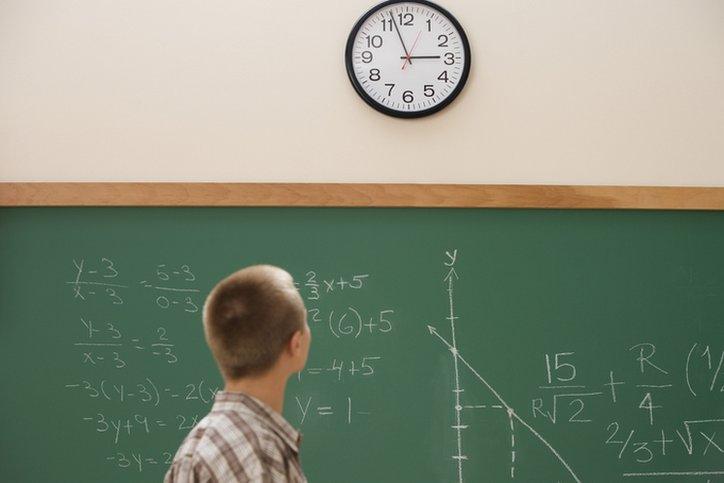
309,406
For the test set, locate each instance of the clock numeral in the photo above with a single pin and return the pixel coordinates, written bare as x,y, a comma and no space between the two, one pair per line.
374,74
385,23
443,76
429,91
366,56
449,58
391,86
406,19
442,38
429,25
374,41
408,97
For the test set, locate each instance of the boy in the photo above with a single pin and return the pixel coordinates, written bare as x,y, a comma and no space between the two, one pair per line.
256,326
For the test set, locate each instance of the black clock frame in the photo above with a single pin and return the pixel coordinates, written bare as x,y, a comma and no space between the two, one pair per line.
393,112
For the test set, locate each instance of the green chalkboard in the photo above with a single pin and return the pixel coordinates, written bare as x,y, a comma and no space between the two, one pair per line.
449,345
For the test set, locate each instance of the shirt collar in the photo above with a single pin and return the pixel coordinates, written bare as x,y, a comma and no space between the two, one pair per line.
238,401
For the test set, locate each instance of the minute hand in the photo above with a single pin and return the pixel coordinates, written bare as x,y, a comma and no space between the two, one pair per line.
420,57
407,54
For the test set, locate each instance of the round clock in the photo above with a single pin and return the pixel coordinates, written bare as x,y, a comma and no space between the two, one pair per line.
408,59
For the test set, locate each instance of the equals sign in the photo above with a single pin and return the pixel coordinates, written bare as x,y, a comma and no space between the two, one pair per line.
151,461
110,457
314,371
160,423
325,410
130,394
87,419
174,395
92,271
72,385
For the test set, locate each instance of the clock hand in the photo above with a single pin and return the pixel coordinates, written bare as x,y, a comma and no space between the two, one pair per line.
421,57
399,35
408,59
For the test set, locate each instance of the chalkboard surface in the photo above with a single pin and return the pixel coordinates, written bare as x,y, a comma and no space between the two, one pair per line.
448,345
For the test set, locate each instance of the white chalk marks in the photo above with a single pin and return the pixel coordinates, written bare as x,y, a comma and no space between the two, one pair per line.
449,279
508,408
451,276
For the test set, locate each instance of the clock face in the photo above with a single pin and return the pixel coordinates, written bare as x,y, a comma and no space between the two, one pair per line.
408,59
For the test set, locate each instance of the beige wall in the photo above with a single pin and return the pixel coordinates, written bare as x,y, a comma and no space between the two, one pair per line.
562,91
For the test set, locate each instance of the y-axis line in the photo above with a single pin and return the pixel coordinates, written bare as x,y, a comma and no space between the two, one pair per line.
459,426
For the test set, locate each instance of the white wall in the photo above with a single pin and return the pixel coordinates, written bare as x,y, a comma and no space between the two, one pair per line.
562,91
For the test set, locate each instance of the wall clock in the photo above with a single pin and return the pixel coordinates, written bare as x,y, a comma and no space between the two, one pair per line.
408,59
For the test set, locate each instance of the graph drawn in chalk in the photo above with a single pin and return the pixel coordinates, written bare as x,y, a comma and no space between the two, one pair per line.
450,278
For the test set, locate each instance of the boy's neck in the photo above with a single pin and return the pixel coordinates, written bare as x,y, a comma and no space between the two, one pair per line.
268,388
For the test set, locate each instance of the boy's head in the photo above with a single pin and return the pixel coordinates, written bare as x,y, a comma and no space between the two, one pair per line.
254,319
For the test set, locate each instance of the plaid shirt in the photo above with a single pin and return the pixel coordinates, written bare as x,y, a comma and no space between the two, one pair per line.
242,440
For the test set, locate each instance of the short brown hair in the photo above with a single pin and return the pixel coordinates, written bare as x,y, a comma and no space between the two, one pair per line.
249,317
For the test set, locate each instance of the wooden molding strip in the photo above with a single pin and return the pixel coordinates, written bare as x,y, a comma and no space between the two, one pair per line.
360,195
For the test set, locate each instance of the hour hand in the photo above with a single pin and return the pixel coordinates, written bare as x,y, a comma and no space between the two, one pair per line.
420,57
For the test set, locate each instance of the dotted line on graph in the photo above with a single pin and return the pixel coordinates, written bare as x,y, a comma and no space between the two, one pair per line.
512,444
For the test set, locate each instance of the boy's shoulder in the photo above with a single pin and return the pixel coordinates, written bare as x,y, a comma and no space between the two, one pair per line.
242,439
237,444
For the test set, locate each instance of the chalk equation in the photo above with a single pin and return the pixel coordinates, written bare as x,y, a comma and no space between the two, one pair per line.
566,397
109,346
106,343
118,427
171,287
346,411
146,391
339,368
351,322
313,287
564,381
138,460
127,410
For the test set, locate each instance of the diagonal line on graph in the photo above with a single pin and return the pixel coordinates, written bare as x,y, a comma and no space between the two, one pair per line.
511,411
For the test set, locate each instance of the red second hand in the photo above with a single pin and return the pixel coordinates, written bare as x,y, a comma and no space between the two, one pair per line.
411,49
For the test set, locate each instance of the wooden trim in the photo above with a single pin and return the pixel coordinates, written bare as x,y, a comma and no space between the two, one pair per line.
360,195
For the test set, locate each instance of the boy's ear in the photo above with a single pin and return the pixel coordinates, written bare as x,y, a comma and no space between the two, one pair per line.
295,343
